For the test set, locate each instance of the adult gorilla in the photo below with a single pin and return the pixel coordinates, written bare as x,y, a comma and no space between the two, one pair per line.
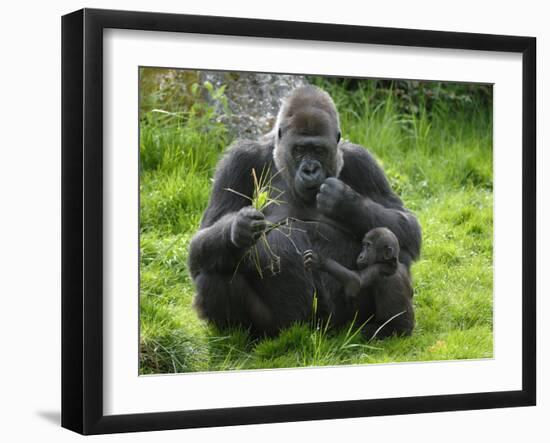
247,265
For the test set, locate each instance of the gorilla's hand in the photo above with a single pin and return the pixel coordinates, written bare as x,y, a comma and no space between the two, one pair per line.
336,199
247,226
312,260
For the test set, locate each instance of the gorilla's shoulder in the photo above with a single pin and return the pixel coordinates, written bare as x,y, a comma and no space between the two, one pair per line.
363,173
235,166
247,153
356,152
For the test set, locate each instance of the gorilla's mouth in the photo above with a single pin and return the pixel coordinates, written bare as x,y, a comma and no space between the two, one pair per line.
306,186
308,192
312,188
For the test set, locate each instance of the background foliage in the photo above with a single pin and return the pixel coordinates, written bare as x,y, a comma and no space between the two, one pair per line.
434,141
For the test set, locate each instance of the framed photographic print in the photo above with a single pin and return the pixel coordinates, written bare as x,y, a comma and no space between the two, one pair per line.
269,221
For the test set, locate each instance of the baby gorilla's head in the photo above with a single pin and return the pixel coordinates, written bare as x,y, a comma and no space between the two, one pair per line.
380,245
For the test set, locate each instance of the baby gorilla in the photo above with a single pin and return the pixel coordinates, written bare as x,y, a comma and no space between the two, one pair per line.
385,282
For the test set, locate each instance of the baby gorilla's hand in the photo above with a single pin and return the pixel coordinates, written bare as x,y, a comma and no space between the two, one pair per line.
311,260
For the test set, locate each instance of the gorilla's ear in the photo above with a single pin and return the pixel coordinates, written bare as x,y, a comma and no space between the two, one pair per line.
338,137
279,133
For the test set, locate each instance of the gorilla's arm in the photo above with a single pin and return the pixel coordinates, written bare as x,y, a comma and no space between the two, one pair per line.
370,202
213,248
350,280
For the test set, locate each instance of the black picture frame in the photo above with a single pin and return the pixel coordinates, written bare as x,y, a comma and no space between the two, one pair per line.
82,218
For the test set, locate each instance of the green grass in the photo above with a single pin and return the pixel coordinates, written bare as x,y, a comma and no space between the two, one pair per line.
438,157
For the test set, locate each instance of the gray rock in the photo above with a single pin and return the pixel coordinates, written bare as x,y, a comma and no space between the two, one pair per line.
253,100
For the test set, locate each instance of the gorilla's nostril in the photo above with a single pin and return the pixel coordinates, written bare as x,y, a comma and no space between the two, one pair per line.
311,169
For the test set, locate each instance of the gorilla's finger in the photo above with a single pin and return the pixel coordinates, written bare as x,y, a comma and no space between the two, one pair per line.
334,182
257,215
251,212
334,187
258,225
257,232
328,193
329,190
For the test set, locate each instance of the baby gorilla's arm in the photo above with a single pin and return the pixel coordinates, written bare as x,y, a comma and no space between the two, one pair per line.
350,280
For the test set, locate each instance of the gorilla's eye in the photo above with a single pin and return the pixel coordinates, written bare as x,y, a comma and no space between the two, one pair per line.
298,151
280,133
318,151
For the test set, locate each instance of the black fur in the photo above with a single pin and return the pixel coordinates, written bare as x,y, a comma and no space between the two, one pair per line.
316,211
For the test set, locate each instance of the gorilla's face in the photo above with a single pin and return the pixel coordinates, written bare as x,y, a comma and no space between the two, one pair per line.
309,142
380,245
